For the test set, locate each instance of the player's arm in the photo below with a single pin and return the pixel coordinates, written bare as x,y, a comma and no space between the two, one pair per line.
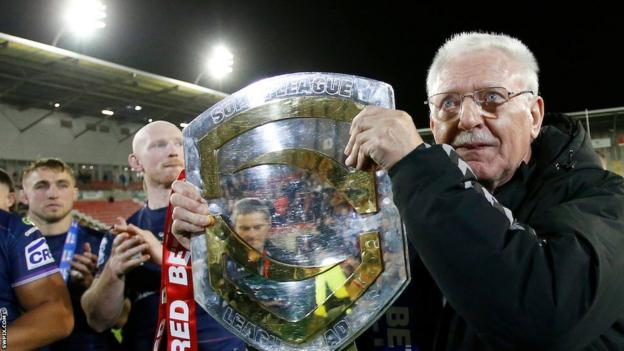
48,314
103,302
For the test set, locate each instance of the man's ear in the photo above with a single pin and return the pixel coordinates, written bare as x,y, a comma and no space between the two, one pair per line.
134,163
76,192
537,117
22,197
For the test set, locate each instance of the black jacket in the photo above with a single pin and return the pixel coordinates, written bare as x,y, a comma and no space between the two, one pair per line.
537,266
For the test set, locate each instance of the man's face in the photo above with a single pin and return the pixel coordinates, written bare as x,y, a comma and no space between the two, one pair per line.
160,154
50,194
254,228
493,147
7,198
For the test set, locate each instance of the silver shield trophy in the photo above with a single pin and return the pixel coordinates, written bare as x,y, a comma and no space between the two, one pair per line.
306,253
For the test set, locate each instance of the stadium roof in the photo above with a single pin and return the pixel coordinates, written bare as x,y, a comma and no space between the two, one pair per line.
35,75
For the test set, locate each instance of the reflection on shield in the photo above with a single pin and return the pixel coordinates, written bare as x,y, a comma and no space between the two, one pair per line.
306,252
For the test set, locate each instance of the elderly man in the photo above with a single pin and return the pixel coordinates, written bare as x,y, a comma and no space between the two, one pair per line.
518,224
133,265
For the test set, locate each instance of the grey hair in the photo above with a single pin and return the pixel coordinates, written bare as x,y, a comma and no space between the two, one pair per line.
251,205
470,42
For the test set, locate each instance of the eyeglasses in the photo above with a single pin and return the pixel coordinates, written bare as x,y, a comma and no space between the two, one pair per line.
488,99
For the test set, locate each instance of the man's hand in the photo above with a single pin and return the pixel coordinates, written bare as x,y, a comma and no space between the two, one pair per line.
127,253
83,267
190,212
154,247
382,136
104,302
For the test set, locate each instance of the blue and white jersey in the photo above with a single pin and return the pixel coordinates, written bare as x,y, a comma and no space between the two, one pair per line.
24,258
142,287
82,338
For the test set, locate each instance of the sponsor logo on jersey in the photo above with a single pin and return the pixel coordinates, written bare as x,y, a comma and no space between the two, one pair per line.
30,231
38,254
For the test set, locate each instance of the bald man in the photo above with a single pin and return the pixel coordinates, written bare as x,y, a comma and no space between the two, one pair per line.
132,269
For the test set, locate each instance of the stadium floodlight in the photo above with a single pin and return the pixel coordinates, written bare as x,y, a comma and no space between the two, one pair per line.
82,17
219,63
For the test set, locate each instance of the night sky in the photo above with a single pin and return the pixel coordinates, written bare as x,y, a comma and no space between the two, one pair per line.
579,50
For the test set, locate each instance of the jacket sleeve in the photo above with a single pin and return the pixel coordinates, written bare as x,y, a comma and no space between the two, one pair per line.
555,284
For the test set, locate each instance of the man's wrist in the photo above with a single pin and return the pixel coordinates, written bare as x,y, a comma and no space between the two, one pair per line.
113,274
